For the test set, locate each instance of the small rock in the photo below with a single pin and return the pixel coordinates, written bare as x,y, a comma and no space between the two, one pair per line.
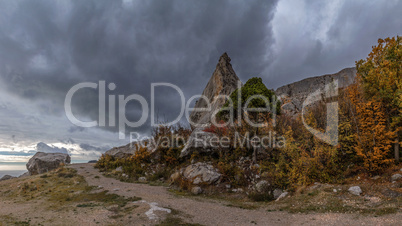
262,186
283,195
142,179
376,177
116,189
396,177
277,192
227,186
119,169
401,169
335,190
196,190
355,190
175,177
124,175
237,190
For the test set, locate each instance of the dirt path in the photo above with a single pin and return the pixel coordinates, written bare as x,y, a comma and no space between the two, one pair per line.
210,212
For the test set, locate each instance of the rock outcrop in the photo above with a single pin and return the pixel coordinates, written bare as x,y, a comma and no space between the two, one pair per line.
43,162
223,82
201,142
201,173
129,149
293,95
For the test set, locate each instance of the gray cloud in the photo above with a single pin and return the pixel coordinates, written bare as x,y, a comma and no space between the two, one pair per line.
42,147
74,129
321,37
88,147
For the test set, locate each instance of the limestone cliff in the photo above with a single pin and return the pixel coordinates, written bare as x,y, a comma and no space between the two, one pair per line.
294,94
223,82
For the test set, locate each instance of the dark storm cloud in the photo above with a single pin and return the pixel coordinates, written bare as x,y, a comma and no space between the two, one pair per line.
46,47
322,37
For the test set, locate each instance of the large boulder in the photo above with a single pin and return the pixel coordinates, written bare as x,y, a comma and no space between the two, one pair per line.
201,173
201,142
223,82
43,162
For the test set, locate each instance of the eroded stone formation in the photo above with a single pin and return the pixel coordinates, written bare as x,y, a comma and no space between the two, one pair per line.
223,82
293,95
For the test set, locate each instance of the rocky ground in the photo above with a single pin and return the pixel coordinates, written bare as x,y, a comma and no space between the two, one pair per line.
82,195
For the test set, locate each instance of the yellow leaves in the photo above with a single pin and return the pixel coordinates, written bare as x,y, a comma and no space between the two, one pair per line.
374,139
377,98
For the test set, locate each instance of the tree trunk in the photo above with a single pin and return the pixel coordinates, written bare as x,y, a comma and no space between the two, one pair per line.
396,148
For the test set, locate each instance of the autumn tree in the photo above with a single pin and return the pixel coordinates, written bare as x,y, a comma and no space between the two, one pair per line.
381,82
373,139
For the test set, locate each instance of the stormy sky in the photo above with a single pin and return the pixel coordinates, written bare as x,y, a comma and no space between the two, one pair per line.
47,47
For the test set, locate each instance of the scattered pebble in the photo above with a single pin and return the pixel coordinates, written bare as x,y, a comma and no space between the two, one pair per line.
355,190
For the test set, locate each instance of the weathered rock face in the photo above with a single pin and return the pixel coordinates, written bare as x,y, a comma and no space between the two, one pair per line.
44,162
127,150
293,95
122,151
201,142
223,82
201,173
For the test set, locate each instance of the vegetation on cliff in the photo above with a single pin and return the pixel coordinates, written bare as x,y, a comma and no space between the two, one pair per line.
368,143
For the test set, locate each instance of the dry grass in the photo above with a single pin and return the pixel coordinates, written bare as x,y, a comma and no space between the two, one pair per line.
62,189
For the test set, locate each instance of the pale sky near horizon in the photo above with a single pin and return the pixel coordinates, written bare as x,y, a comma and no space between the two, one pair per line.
47,46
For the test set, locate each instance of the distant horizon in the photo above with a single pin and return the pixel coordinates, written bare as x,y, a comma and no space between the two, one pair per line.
16,169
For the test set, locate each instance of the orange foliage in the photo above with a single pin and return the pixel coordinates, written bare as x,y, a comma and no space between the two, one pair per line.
374,140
